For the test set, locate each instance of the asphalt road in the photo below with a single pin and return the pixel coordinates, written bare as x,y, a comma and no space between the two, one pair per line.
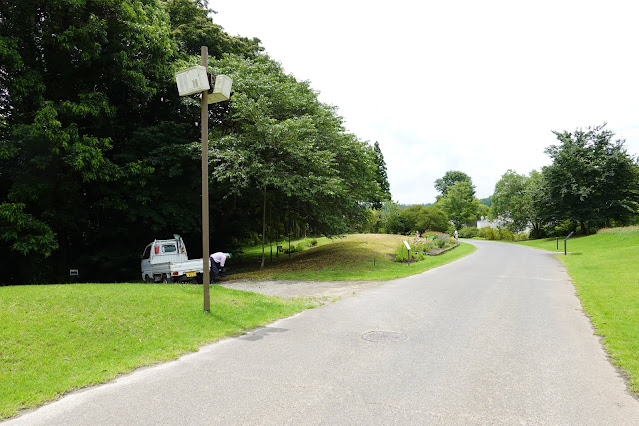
495,338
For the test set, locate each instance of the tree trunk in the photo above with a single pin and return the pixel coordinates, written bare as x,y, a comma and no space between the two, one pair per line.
537,229
263,228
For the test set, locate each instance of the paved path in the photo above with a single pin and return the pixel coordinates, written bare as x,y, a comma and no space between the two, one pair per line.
495,338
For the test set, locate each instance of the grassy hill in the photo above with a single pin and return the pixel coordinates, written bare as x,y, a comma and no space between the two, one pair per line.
353,257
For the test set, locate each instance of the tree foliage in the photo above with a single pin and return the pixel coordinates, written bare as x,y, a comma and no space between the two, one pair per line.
592,182
99,154
78,78
381,176
592,179
449,179
391,219
510,202
420,218
280,139
460,203
192,28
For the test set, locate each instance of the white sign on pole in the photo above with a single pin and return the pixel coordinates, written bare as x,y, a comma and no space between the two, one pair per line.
221,89
192,80
406,244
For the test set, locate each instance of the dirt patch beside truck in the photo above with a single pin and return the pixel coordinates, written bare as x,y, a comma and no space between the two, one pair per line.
322,291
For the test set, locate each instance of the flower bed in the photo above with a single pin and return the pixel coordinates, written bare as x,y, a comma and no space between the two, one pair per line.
430,244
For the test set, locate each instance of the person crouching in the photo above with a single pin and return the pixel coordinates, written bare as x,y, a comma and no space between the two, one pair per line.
218,260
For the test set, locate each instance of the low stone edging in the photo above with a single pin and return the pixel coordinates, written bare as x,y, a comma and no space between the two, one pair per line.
440,252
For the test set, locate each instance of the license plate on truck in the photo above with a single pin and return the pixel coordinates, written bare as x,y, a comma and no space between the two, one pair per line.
191,274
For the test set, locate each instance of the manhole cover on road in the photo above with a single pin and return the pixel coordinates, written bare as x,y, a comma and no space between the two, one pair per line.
384,336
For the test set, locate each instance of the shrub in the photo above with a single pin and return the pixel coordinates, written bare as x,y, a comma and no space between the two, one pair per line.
500,234
487,233
293,249
401,254
505,234
313,242
469,232
440,242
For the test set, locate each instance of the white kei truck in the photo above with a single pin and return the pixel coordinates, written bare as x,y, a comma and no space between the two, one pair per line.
167,261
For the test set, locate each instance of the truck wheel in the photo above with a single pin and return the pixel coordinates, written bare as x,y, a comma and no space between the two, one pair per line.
165,279
148,279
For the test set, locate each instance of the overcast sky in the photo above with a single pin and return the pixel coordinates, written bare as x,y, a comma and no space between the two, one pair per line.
469,85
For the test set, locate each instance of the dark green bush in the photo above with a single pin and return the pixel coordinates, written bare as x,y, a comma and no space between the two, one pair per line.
469,232
487,233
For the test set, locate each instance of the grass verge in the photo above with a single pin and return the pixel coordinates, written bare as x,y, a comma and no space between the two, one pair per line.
353,257
606,277
56,338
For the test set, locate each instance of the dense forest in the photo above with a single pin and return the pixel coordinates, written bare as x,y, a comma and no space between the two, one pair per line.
99,155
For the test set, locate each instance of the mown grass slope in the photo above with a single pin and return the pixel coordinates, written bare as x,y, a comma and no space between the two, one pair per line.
353,257
56,338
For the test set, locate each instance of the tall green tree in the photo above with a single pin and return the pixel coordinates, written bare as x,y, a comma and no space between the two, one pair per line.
592,179
96,153
537,201
420,218
449,179
520,201
510,201
279,139
99,154
460,203
77,78
391,219
192,27
381,176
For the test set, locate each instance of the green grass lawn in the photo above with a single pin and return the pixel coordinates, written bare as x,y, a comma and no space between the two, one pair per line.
56,338
605,272
354,257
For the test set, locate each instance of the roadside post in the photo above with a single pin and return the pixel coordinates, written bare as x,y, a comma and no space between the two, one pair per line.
197,80
566,244
408,248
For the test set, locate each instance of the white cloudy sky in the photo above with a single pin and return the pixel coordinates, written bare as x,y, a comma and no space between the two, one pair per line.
470,85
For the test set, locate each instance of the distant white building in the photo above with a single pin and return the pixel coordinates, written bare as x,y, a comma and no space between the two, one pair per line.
484,222
495,224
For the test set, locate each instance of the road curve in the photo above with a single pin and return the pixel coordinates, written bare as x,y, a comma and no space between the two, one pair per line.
497,337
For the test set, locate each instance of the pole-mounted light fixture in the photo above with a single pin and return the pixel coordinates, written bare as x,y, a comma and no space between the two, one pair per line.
189,82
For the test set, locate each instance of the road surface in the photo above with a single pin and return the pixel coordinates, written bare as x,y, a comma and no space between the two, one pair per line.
497,337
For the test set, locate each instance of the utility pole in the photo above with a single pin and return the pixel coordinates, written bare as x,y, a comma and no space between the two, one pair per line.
204,124
213,89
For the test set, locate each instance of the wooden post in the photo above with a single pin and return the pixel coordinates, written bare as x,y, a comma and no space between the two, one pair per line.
204,124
